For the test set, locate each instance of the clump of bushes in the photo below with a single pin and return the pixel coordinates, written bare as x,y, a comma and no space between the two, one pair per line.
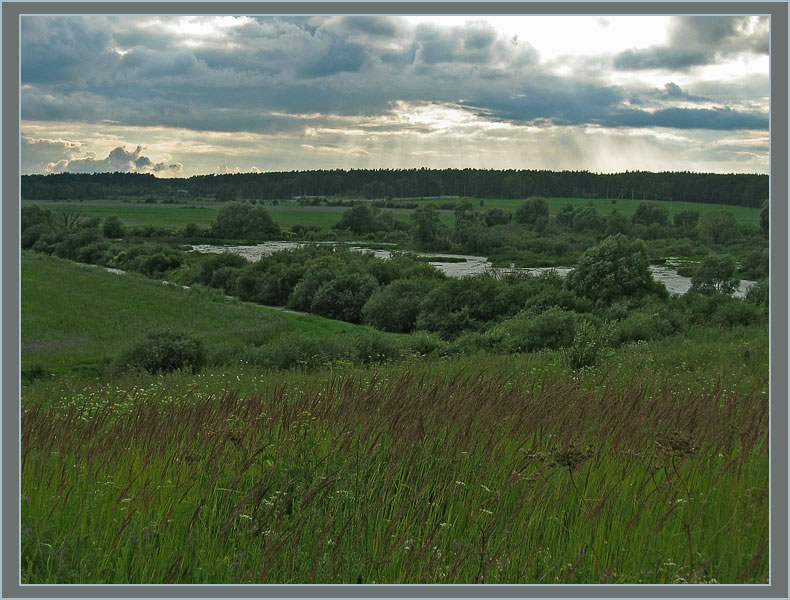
164,352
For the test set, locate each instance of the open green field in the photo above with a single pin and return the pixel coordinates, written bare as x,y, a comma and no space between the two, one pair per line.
80,316
288,213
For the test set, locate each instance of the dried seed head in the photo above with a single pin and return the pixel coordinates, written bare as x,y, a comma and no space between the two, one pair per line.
676,443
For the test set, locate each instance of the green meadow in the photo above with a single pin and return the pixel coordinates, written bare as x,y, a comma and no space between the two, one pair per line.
649,467
81,317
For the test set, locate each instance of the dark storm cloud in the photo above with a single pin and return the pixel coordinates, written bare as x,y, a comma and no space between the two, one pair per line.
699,40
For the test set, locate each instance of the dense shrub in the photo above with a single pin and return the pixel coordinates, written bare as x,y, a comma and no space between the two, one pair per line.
737,312
344,296
589,341
374,347
214,262
472,303
423,343
113,228
651,322
687,219
163,352
394,307
648,213
551,329
531,211
759,293
245,221
358,219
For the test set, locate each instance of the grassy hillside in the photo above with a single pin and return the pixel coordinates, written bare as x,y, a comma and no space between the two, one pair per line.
80,316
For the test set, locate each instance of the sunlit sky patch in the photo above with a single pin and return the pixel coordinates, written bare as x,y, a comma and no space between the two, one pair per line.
180,95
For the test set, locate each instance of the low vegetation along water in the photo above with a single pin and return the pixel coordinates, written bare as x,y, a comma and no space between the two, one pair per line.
462,265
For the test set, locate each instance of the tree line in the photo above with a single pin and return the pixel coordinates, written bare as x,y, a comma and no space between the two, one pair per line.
732,189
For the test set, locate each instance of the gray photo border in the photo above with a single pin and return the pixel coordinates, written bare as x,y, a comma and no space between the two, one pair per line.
778,587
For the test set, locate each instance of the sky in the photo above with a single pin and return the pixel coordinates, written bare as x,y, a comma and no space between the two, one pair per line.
178,96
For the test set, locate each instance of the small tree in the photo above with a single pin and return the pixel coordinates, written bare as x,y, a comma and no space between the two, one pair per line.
427,227
717,226
715,274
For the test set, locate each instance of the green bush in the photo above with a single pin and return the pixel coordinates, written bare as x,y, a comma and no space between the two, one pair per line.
759,293
374,347
737,312
344,296
424,343
164,352
245,221
648,323
589,341
394,307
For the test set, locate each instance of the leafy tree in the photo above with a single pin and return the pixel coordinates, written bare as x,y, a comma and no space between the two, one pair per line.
717,226
465,215
687,218
358,219
244,221
565,216
648,213
715,274
531,211
616,268
427,228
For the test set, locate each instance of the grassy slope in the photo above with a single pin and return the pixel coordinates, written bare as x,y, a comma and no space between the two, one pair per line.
75,315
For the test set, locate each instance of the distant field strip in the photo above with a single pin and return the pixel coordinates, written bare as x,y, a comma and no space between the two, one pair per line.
288,214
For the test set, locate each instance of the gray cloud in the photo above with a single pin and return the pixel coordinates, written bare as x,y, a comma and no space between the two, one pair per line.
699,40
662,57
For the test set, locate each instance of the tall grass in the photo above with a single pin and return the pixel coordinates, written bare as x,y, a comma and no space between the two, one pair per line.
376,477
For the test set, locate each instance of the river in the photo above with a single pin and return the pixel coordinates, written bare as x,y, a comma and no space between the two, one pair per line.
470,265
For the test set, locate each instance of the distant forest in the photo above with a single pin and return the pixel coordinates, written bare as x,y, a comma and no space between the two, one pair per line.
742,190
